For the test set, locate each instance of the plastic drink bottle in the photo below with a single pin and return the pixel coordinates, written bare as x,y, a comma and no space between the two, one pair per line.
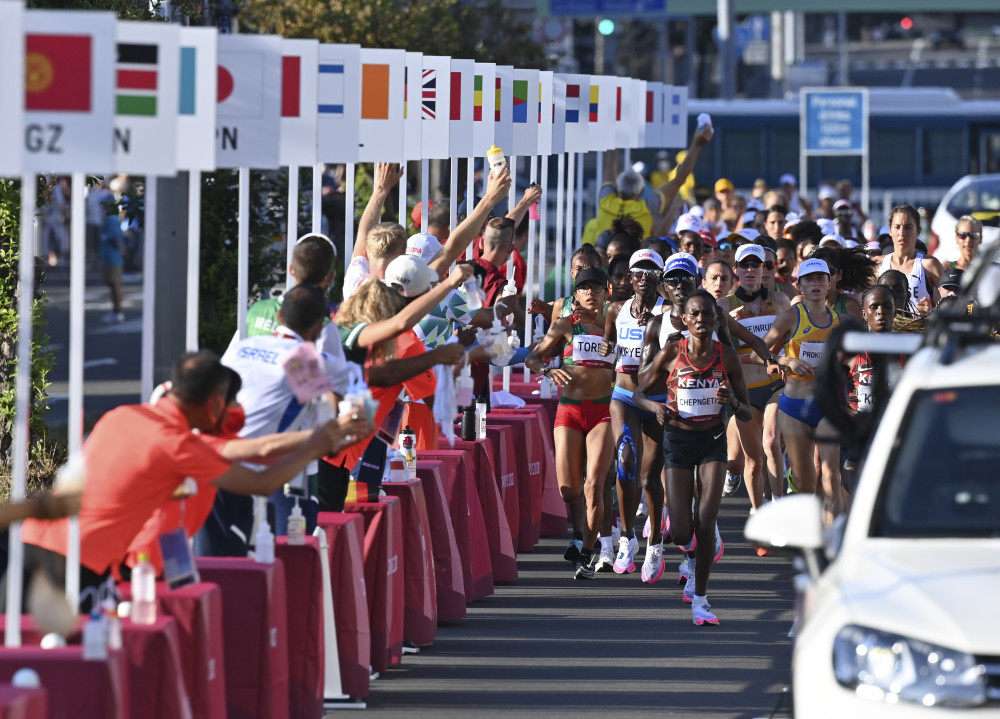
481,417
95,636
296,525
144,591
264,544
464,384
408,447
473,293
496,158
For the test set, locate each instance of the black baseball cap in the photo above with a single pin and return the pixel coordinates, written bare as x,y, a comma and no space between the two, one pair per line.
590,274
952,277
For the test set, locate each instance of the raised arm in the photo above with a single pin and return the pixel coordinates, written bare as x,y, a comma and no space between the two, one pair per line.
532,195
414,312
465,233
670,188
387,176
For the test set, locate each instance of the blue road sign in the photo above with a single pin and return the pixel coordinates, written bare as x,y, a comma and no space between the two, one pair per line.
576,8
836,121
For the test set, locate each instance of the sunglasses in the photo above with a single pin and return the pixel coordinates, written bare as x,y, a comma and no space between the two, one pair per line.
753,264
641,272
725,246
591,289
966,235
678,281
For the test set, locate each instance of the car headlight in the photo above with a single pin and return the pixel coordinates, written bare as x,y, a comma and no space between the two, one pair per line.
891,668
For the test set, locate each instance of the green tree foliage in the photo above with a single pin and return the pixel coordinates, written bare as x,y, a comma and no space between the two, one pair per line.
483,30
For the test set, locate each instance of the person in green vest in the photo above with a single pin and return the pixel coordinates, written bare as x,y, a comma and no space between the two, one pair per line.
621,194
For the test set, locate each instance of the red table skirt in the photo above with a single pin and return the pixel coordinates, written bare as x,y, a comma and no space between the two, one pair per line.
78,688
505,466
197,612
383,577
304,594
448,574
345,536
459,481
16,703
530,476
419,590
254,614
503,557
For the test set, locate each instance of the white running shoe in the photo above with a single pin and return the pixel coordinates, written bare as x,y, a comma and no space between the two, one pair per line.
689,587
647,527
720,546
733,482
685,570
701,613
605,562
652,567
625,561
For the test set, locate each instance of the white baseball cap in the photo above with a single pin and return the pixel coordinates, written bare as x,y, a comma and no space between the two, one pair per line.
646,255
812,266
787,179
697,211
827,193
410,275
423,246
690,223
744,251
748,233
829,227
832,238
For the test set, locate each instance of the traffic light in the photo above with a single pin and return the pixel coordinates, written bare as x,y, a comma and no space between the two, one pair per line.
606,26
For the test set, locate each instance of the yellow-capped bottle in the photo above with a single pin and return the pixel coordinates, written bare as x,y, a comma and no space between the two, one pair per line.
496,157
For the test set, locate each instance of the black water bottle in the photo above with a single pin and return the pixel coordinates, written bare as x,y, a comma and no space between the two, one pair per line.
469,429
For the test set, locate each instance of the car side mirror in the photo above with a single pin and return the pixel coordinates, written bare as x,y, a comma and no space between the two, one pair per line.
792,522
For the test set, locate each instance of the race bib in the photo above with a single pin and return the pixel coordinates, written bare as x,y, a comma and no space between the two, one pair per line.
700,402
865,398
811,353
586,352
758,326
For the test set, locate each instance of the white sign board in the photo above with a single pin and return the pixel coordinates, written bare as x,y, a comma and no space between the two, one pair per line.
461,136
11,87
338,99
249,112
197,92
483,107
299,105
435,107
524,112
382,91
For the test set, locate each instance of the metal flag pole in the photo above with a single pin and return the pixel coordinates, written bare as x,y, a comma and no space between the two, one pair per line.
348,214
600,175
243,253
425,191
578,222
568,239
511,203
194,259
402,198
470,192
292,229
560,216
22,408
529,278
148,287
77,321
317,201
452,194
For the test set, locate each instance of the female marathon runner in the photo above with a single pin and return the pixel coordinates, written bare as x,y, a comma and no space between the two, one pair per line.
582,427
801,330
703,377
636,433
923,273
755,308
852,272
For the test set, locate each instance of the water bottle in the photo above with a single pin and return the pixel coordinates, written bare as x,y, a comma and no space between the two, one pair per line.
481,417
509,290
408,447
144,591
463,387
496,158
264,544
473,293
397,467
296,525
110,609
95,636
469,423
704,120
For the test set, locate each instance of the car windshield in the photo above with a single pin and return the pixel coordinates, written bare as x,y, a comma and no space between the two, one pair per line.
980,194
944,480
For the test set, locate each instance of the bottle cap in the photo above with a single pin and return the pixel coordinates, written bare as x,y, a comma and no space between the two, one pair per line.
296,510
143,557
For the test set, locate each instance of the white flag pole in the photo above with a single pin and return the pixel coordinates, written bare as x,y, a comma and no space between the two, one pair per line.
148,287
243,252
317,201
194,259
22,408
425,191
532,244
402,198
626,166
511,203
600,176
570,193
578,222
292,229
543,230
452,193
77,321
348,214
470,192
560,217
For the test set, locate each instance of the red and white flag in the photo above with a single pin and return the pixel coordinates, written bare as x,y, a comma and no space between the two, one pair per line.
461,137
299,116
249,95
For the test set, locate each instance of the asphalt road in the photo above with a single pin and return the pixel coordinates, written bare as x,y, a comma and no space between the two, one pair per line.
551,646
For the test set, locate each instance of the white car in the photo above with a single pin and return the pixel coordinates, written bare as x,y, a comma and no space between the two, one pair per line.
971,194
905,619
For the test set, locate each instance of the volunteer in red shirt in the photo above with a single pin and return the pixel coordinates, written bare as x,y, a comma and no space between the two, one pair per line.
137,456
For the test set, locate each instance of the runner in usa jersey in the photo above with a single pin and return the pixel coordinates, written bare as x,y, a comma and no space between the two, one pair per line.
703,377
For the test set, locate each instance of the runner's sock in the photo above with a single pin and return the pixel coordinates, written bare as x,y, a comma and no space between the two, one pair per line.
605,543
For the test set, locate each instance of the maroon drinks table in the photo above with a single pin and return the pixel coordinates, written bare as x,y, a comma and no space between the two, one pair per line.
449,578
419,587
345,535
304,620
16,703
254,628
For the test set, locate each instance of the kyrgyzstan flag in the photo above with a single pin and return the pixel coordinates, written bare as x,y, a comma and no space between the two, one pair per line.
57,73
136,79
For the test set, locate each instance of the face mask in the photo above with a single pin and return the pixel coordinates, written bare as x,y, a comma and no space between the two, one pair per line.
233,420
